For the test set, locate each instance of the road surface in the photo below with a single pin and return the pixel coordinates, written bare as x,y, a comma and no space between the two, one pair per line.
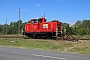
7,53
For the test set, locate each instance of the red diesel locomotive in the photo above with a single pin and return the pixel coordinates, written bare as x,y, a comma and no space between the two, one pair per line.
39,28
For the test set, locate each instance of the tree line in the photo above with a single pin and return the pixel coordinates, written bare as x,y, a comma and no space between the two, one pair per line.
11,28
79,28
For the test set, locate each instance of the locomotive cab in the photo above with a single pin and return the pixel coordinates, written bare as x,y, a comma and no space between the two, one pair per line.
33,21
40,20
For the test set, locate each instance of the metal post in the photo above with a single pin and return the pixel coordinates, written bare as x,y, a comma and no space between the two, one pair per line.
6,25
19,23
44,15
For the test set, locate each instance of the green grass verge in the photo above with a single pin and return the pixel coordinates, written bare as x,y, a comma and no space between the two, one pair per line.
82,47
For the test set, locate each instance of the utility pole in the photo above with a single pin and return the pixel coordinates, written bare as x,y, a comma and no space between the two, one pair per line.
6,25
19,23
44,15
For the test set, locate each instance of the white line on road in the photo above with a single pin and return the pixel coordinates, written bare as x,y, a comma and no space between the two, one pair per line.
49,57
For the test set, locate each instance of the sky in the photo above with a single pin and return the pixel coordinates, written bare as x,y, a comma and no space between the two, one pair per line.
66,11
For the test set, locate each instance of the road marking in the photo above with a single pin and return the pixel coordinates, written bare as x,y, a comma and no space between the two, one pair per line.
49,57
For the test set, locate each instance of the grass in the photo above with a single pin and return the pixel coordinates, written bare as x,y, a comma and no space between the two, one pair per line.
81,47
82,37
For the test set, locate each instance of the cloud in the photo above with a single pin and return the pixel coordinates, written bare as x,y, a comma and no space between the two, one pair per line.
5,11
61,0
25,9
38,5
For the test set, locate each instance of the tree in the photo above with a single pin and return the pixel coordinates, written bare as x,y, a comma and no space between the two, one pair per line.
65,25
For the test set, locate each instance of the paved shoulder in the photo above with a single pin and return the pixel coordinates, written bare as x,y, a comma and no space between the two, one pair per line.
30,54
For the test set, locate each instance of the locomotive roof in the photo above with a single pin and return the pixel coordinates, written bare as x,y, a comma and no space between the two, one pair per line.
38,18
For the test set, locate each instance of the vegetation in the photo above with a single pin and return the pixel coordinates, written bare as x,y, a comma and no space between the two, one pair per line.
80,27
82,47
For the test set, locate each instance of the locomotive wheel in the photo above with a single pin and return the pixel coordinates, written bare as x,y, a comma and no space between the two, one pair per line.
48,36
54,38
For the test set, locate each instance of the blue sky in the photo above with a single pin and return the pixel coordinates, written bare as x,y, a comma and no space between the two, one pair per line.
67,11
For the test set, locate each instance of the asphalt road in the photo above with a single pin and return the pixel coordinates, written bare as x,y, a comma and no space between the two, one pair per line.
7,53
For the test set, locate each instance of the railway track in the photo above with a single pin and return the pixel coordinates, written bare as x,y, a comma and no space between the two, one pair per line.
10,36
21,37
24,37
